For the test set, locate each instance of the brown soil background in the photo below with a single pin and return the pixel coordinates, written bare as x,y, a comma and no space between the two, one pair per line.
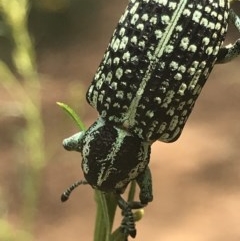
196,179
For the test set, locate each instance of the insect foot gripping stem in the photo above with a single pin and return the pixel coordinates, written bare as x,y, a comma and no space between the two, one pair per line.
128,222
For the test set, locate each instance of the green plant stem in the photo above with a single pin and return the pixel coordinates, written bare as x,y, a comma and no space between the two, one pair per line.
73,115
106,209
132,191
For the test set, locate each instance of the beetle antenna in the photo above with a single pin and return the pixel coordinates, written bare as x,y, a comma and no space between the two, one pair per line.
67,193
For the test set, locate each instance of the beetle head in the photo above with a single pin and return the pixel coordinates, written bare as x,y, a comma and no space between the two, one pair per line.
111,156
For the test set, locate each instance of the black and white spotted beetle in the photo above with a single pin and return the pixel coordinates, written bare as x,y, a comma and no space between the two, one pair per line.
157,62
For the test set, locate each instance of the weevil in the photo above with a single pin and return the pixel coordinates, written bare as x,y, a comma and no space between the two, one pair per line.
155,66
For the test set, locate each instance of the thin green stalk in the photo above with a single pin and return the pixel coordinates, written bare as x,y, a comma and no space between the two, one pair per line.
106,208
132,191
74,116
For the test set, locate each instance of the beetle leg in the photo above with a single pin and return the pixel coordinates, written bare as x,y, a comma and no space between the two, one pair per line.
230,51
128,223
144,181
235,19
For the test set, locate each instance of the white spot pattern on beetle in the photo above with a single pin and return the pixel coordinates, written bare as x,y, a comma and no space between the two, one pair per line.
154,68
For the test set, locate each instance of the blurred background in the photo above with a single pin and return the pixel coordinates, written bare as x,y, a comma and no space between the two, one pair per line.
49,51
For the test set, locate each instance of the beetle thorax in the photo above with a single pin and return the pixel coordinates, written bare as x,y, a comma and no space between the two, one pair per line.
112,157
